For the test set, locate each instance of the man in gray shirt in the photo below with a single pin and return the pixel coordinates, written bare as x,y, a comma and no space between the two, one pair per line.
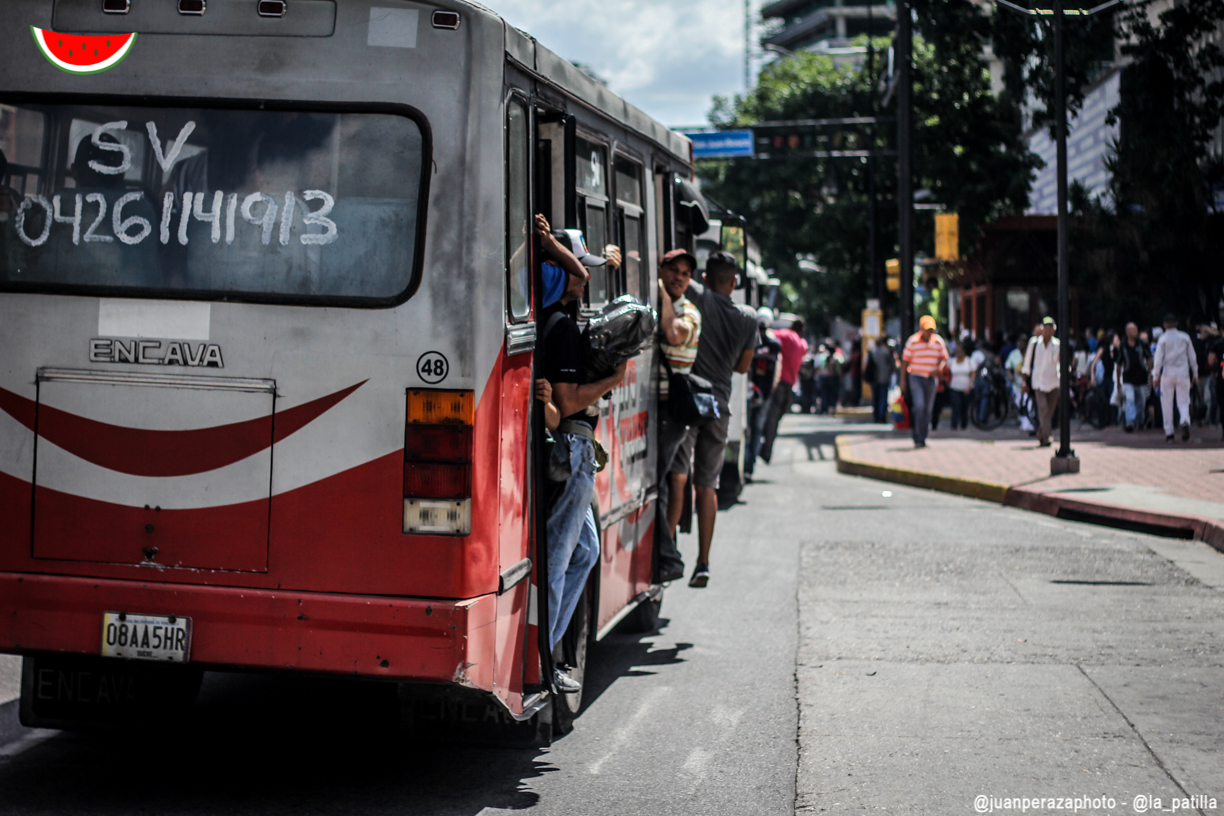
728,341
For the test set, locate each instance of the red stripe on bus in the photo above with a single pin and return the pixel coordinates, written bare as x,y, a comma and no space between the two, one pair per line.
140,452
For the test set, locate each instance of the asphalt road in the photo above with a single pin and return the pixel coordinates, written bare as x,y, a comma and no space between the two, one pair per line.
854,651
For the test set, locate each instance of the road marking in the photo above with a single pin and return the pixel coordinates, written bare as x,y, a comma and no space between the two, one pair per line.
18,746
623,733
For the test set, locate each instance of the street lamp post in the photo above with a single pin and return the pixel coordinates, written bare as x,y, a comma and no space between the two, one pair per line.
1064,460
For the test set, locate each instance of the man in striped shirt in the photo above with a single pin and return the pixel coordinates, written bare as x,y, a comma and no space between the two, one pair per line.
680,327
923,360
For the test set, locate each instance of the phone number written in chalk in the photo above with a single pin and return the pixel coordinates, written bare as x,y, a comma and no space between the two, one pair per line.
219,210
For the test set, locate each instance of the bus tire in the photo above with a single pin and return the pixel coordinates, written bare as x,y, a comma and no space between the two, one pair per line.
573,649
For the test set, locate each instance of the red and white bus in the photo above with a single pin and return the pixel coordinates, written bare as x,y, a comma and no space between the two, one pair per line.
266,311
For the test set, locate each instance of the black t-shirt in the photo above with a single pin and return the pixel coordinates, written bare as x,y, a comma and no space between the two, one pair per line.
1131,358
563,354
764,364
1216,345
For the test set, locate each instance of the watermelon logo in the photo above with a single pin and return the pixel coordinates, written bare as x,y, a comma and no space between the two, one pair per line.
79,54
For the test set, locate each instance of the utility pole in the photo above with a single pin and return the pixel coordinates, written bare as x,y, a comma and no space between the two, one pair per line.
905,170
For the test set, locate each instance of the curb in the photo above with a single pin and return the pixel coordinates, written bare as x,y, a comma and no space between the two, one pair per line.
987,491
1209,531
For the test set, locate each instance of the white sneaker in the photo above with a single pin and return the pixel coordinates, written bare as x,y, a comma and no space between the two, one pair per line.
564,683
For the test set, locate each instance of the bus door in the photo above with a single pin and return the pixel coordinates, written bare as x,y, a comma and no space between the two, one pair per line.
514,494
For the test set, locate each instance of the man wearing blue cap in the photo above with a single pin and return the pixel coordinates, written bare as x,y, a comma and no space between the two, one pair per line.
573,546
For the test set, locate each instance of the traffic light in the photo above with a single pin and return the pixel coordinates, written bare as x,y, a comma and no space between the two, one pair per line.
893,267
947,237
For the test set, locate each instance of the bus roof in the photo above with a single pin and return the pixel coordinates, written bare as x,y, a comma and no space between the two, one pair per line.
562,74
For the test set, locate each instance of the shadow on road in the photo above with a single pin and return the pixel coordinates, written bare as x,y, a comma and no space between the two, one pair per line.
289,744
270,744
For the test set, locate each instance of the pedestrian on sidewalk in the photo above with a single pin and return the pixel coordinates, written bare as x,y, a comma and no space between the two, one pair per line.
881,363
1136,364
1174,370
924,357
1103,375
961,386
1041,367
728,342
763,377
830,363
1215,361
794,347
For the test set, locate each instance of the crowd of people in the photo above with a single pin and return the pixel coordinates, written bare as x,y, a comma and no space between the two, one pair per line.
1165,378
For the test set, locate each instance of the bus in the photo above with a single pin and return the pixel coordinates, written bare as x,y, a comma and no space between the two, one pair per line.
268,288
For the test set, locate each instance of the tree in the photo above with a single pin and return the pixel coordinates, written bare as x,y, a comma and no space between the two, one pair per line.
967,153
1159,246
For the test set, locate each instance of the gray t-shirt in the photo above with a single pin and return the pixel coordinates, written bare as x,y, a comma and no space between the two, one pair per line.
727,331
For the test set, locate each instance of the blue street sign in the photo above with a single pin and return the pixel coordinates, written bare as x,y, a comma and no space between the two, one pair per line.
720,144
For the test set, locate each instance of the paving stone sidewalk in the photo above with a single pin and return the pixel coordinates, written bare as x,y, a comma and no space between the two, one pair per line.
1135,479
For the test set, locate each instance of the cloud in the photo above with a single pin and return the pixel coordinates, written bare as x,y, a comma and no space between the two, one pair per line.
668,57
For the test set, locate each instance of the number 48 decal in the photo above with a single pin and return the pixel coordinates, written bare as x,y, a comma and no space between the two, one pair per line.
432,367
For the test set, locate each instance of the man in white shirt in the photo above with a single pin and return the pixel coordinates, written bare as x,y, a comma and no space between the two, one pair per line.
1173,371
1041,367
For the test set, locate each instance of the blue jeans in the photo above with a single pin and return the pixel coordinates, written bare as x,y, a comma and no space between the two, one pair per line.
1136,402
922,398
573,546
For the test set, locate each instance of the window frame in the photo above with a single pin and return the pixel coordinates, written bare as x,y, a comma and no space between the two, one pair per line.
604,203
518,97
626,209
161,293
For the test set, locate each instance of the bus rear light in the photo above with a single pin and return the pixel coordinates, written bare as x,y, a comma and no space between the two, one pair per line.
438,443
446,19
116,6
441,407
272,8
194,7
430,517
430,480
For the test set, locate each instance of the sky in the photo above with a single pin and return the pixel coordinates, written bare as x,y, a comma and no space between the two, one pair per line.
667,57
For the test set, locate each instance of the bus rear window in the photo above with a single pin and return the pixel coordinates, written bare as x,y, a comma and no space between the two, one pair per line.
199,202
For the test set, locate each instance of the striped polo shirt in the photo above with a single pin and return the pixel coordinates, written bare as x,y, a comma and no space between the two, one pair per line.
681,357
924,359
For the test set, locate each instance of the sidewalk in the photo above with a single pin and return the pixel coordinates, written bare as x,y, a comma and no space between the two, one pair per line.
1134,481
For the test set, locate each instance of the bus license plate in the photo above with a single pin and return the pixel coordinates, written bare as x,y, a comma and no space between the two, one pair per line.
164,638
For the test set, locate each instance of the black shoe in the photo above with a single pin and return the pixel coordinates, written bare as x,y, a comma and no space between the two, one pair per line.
1169,439
1129,429
671,572
1185,433
564,683
701,576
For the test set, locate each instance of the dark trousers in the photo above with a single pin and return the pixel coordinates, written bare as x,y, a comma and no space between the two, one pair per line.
779,406
830,385
879,402
807,396
960,409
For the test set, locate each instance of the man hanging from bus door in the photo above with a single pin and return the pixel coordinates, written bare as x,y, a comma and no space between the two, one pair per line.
728,342
573,545
680,332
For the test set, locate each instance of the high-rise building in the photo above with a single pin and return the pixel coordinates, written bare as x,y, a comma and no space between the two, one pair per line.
827,26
